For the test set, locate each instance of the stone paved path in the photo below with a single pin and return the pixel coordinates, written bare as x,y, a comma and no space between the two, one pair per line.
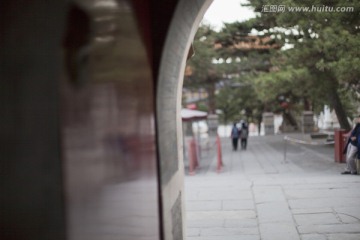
261,195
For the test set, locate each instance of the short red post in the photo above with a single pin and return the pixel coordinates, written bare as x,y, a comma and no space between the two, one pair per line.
219,155
340,141
193,162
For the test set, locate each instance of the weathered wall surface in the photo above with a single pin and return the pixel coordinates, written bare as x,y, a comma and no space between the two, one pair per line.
89,96
31,197
108,127
77,129
182,29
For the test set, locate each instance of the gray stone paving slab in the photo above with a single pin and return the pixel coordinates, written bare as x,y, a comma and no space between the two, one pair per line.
238,204
241,237
324,202
262,195
239,214
268,194
224,195
216,182
321,193
229,231
191,194
275,180
347,218
205,223
343,236
330,228
311,210
276,231
325,182
204,205
275,212
264,162
232,184
353,211
241,223
314,237
316,219
251,165
193,232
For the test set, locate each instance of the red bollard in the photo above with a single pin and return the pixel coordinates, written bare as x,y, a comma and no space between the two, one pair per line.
193,162
340,139
219,155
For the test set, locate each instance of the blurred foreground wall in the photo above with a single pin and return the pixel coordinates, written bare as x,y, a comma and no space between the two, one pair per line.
89,92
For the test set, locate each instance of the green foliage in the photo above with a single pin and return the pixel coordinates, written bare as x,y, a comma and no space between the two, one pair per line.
238,100
318,64
205,74
323,49
228,101
323,41
202,107
204,70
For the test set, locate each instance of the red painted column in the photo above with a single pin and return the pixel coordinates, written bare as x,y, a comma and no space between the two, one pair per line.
340,140
219,155
193,160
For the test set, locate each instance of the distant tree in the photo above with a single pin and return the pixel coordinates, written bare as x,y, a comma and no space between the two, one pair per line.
322,43
228,102
318,63
237,101
255,54
203,72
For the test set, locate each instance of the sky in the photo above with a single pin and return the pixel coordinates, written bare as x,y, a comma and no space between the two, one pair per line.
226,11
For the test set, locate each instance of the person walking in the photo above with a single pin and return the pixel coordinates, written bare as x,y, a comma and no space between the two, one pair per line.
352,149
235,137
244,134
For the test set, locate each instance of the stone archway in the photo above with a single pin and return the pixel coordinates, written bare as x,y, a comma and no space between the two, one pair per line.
186,19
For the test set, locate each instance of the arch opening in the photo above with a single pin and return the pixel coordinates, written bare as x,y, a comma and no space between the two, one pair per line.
168,109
